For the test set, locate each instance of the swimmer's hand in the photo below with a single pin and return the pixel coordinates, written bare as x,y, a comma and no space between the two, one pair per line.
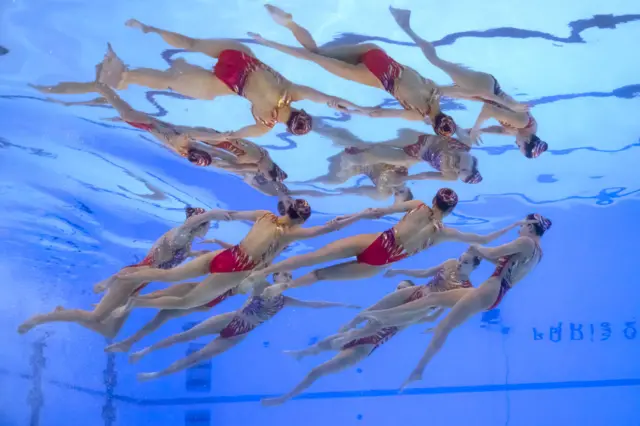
257,37
391,273
342,105
520,107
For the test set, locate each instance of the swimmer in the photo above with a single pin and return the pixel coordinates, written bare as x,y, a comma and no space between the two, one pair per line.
451,157
170,250
232,328
354,350
267,238
514,117
513,260
237,72
388,180
368,64
420,228
177,290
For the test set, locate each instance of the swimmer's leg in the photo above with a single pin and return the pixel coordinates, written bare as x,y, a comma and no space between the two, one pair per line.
126,112
116,296
216,347
213,286
213,325
324,345
344,359
414,311
471,303
341,68
160,318
210,47
469,83
66,88
340,272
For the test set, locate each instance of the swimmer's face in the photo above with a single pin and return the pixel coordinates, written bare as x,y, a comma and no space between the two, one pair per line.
468,263
527,230
282,277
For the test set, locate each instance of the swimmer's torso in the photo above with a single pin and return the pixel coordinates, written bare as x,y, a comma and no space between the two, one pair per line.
515,267
245,151
267,90
169,251
265,240
443,154
417,230
414,93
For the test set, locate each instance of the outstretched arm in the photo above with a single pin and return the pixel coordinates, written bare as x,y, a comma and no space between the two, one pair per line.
431,176
305,92
317,305
495,130
380,112
251,131
519,245
396,208
391,300
331,226
216,214
451,234
416,273
221,243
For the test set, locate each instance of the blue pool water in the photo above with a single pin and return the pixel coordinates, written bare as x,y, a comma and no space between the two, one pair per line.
82,196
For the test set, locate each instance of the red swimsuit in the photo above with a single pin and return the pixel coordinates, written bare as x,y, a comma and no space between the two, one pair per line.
383,67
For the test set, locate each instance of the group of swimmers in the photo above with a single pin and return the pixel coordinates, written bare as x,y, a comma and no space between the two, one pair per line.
244,268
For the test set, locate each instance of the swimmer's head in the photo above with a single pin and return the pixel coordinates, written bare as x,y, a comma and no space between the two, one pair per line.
532,146
201,230
445,200
469,172
538,228
405,284
277,174
281,277
297,210
444,125
402,194
468,262
199,157
299,122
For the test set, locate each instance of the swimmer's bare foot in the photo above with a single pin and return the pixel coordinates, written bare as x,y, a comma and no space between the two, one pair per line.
111,70
414,377
272,402
118,348
137,356
41,89
297,355
279,16
145,377
402,16
134,23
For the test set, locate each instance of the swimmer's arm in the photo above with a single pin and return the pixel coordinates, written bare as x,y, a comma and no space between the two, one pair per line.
300,93
124,109
450,234
216,214
495,130
331,226
485,114
431,176
317,305
394,113
391,300
416,273
251,131
250,215
519,245
396,208
221,243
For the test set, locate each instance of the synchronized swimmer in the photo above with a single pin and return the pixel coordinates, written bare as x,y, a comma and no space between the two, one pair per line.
244,268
